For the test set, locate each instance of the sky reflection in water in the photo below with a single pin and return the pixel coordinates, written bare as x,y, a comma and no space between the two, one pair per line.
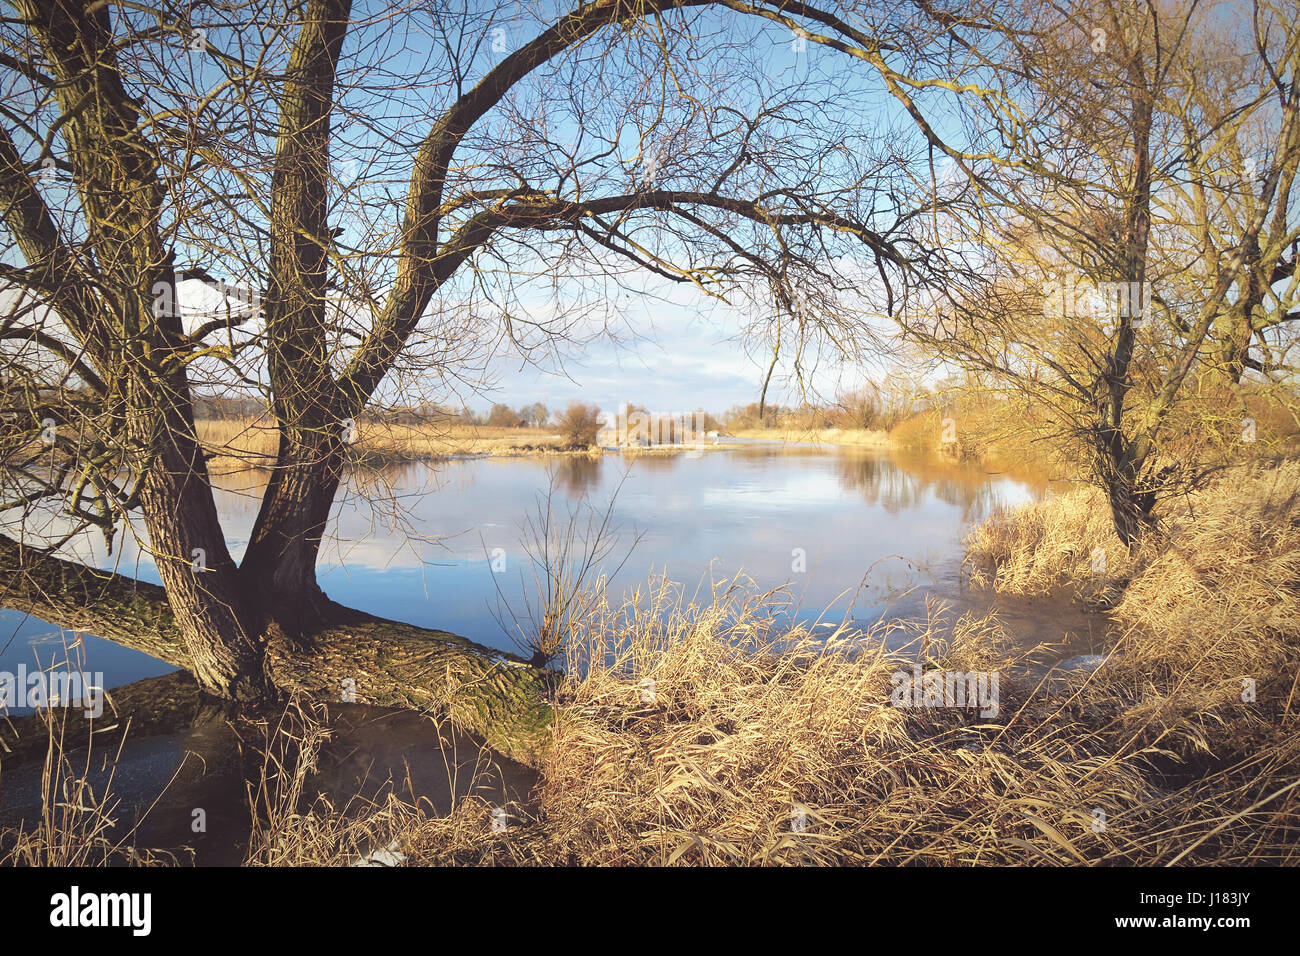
415,542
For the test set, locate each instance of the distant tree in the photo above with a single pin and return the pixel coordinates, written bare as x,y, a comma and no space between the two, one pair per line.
535,414
580,423
748,416
503,416
860,408
707,421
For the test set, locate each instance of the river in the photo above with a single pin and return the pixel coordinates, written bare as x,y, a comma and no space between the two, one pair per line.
858,533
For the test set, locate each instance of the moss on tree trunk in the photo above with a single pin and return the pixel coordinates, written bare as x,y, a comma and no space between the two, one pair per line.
492,694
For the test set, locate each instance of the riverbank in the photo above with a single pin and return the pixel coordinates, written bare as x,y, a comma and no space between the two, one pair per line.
253,442
982,433
855,437
703,731
235,444
239,443
1176,745
979,441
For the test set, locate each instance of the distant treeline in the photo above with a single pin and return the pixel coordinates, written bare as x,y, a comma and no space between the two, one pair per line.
222,407
872,406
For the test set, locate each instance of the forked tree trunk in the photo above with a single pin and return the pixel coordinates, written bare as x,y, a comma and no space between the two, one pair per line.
279,567
202,583
1120,457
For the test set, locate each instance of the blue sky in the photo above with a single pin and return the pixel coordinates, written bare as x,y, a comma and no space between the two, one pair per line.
671,348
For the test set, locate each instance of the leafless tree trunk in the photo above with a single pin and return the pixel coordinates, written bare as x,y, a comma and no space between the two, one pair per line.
151,150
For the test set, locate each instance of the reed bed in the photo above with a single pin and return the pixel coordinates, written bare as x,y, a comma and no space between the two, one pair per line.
746,729
706,729
1063,541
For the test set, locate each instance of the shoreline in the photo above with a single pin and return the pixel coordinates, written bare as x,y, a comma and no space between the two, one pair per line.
847,437
251,445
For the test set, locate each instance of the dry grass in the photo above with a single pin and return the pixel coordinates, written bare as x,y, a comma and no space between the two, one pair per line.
1230,565
78,823
1066,540
1222,551
291,823
1206,657
253,442
423,442
751,724
862,437
293,826
1218,607
1183,743
747,727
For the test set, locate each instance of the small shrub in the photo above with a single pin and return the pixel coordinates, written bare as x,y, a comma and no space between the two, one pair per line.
579,424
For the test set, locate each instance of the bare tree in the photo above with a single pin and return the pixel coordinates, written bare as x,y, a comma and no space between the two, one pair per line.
359,201
1123,180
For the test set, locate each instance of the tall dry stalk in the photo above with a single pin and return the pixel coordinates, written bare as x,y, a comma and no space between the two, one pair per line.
567,554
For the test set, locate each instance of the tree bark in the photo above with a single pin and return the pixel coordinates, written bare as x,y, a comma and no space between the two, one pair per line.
492,694
203,586
285,542
1130,508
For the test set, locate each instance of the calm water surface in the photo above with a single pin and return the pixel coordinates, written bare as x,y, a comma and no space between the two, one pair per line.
862,533
858,533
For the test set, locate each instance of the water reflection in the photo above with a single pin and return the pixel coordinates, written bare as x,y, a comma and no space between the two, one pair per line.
845,529
898,484
577,475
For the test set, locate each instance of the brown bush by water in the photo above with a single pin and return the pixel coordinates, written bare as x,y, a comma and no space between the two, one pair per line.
580,424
